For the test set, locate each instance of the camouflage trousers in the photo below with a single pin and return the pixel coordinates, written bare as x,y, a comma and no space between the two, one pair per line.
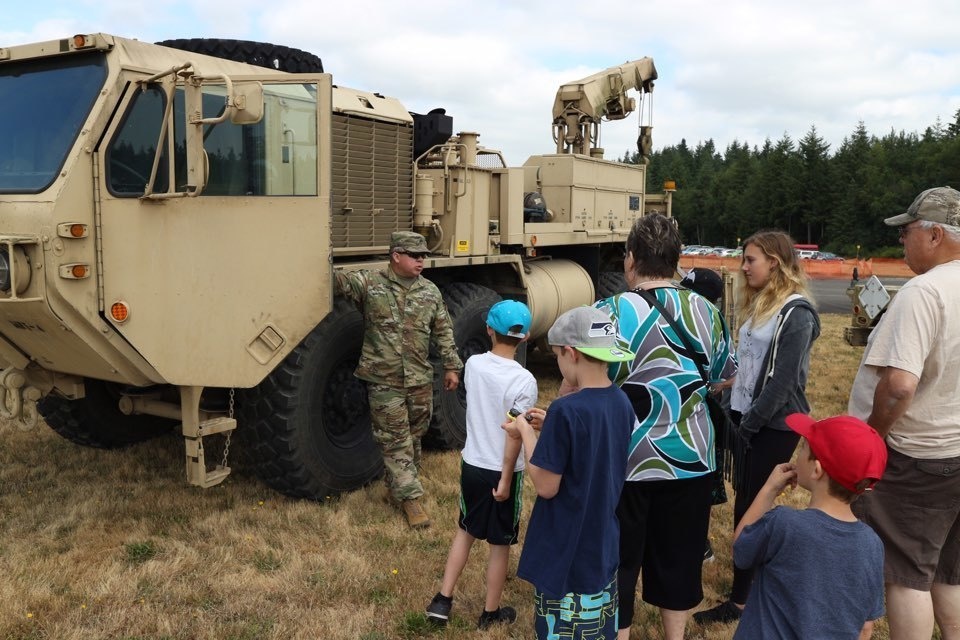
400,417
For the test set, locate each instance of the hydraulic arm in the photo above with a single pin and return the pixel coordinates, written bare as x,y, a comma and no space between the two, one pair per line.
581,105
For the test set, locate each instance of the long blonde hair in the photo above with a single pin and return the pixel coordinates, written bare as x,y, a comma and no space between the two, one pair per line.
786,278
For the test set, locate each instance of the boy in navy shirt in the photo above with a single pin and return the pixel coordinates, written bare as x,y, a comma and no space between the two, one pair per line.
577,466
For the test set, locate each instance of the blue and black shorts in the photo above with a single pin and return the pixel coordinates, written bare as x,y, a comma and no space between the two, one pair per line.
577,616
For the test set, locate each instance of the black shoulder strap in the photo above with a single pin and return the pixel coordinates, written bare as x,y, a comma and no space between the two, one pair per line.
651,299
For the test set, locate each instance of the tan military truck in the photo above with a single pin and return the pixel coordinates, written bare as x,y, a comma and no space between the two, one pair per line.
171,215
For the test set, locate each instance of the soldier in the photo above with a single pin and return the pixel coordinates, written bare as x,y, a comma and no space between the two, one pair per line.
402,312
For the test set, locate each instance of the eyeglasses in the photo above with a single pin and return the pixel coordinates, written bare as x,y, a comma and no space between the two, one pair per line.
415,256
907,228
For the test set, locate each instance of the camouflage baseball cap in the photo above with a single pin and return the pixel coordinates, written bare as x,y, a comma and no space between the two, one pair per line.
408,242
940,204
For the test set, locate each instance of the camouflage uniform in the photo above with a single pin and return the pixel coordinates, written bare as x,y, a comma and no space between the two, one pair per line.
399,323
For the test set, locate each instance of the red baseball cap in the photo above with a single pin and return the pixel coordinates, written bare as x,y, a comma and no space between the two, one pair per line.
848,449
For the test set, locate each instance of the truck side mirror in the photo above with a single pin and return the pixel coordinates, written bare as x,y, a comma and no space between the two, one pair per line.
248,102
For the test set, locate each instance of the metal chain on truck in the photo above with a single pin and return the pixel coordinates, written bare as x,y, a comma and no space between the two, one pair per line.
226,445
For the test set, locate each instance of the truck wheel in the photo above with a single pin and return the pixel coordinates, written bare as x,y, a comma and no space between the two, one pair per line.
306,427
468,305
261,54
96,421
610,283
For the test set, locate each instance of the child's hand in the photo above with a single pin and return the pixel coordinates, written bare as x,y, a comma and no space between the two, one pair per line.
783,475
502,492
716,388
566,388
512,428
535,417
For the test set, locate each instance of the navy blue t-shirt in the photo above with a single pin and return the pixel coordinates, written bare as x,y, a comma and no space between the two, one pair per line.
572,541
817,577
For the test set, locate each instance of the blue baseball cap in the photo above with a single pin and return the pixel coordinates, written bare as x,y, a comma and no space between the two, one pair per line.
509,318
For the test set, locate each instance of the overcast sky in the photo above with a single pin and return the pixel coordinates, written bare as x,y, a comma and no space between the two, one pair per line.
733,70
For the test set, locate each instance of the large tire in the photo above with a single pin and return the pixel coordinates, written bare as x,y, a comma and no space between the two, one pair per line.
96,421
610,283
468,305
261,54
306,427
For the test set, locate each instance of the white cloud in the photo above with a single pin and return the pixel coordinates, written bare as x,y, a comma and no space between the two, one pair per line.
729,71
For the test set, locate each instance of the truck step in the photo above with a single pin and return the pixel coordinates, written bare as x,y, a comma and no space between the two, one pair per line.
218,425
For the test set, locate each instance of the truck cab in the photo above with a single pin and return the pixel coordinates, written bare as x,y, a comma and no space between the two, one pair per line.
171,217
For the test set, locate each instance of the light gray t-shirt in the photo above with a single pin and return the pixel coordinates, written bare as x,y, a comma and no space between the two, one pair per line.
919,333
752,345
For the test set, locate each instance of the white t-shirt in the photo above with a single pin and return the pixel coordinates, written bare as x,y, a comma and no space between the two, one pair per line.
919,333
494,386
752,346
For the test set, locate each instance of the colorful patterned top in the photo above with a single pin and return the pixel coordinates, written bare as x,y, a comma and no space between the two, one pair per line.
674,438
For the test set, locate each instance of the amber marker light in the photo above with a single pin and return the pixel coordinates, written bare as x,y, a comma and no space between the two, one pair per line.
79,41
79,271
73,230
119,311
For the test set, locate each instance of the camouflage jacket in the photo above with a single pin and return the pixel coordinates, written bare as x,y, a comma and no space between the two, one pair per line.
399,324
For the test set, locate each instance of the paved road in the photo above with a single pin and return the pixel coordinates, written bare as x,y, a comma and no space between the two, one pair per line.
831,295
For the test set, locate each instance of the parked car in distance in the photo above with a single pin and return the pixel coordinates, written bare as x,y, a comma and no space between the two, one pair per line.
826,255
806,254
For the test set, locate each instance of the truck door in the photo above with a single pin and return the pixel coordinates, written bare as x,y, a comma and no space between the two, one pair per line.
214,238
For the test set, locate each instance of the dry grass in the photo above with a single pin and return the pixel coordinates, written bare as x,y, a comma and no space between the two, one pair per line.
114,544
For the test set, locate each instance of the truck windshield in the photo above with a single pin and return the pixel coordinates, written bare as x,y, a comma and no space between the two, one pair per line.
45,102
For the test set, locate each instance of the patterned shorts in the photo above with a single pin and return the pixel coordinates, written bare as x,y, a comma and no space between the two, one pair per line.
577,616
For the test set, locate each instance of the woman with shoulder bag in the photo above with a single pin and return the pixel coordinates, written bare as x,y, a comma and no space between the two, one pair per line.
709,284
778,325
680,341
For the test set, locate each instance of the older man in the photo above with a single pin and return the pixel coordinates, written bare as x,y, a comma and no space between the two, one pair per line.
908,389
402,312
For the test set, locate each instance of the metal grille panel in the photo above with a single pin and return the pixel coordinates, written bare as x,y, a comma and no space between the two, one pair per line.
372,187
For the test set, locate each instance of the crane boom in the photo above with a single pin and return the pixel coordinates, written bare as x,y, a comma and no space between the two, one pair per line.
581,105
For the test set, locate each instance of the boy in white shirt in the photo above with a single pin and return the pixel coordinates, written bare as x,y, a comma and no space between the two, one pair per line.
491,477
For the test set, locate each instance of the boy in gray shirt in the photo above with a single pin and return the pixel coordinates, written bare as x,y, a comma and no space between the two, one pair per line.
819,570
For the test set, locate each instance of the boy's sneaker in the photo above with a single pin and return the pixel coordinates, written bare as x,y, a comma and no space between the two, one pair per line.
438,611
417,518
502,614
708,553
726,611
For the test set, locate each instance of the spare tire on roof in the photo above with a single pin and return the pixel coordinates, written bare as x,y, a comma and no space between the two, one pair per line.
261,54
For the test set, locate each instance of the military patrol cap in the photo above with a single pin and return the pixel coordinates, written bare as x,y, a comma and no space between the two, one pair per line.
408,242
940,204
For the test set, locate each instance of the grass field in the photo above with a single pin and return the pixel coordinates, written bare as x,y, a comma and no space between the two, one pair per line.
114,544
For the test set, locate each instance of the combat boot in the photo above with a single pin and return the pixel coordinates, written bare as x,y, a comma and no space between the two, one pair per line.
417,518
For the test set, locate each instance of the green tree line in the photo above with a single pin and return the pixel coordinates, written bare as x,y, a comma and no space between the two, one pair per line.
833,198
